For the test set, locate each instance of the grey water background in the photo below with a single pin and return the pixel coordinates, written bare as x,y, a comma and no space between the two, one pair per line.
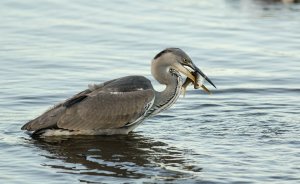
247,131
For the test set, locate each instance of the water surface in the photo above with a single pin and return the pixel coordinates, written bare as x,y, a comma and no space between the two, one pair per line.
248,131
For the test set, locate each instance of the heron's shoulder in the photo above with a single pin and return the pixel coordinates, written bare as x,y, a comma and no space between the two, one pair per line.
129,83
134,79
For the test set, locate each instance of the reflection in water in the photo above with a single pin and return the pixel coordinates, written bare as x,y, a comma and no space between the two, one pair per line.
265,5
276,1
127,156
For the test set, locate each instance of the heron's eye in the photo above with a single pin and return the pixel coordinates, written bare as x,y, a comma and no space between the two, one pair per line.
185,60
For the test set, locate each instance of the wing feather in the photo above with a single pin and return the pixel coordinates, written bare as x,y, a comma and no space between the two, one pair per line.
106,110
111,104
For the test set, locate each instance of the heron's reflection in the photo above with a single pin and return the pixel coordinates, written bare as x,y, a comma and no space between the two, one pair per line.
276,1
264,5
128,156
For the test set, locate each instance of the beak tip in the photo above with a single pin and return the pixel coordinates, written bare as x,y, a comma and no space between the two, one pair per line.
204,76
211,82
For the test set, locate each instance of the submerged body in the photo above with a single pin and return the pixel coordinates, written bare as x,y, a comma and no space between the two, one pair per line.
120,105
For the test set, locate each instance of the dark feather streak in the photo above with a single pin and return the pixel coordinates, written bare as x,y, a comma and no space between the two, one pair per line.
74,101
164,52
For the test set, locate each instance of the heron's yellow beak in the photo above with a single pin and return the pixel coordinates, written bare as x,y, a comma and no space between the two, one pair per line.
185,71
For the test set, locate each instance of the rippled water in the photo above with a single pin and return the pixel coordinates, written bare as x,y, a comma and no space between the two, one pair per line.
248,131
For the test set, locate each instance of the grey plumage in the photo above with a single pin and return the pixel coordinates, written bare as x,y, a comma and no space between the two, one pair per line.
119,105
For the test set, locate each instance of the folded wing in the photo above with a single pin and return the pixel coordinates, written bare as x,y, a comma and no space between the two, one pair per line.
111,105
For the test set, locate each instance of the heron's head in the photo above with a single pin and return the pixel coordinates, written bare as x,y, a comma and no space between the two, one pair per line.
175,59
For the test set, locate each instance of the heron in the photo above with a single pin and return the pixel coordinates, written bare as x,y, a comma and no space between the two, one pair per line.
118,106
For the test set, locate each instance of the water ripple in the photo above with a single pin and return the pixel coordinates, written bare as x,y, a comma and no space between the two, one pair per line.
52,49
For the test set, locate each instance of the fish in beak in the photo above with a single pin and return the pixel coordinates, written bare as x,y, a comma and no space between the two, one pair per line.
198,81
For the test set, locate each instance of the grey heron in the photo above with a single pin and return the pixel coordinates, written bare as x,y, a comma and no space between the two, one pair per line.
120,105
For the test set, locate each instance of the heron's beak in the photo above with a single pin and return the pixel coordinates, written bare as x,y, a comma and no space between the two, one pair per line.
204,76
185,71
197,73
191,72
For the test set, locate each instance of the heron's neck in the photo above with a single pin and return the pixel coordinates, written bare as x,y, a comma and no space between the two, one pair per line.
167,97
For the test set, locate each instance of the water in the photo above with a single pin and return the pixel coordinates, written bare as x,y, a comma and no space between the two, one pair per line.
248,131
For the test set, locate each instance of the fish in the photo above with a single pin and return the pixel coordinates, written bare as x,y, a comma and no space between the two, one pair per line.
197,84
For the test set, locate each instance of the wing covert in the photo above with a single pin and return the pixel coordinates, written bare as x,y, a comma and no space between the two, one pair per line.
106,110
